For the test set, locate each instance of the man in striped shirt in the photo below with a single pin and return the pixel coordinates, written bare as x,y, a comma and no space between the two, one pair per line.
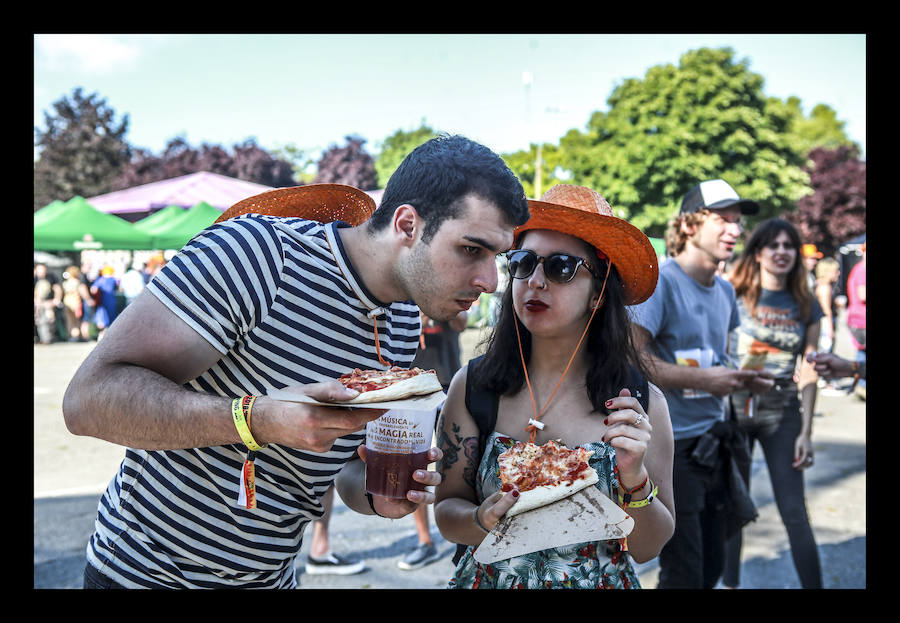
258,302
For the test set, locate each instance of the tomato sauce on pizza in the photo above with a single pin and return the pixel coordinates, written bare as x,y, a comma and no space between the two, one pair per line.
526,465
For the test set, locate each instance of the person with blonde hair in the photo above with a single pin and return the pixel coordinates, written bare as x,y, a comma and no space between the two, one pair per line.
104,290
71,287
827,272
682,333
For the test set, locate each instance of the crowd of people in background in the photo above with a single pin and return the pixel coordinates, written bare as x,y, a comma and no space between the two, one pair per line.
79,303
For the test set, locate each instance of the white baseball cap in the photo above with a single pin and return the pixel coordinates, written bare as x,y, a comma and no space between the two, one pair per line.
715,195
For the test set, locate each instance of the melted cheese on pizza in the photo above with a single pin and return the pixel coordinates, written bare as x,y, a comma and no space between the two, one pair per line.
370,380
527,465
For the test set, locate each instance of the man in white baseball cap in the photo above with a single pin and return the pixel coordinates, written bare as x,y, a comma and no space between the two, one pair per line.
682,331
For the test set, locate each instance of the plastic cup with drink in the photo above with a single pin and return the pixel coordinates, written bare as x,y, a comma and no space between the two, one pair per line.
397,445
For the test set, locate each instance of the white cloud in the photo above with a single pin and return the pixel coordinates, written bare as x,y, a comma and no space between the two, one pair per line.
89,53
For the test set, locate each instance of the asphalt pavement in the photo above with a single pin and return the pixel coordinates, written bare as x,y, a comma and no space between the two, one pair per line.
71,472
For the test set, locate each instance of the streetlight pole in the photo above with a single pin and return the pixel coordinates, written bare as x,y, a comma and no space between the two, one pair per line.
527,79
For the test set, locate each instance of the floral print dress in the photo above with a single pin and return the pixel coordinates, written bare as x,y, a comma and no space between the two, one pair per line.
599,564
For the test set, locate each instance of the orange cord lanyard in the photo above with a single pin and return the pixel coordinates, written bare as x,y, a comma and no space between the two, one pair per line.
377,341
535,424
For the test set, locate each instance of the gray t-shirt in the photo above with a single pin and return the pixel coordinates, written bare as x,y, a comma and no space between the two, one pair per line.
689,324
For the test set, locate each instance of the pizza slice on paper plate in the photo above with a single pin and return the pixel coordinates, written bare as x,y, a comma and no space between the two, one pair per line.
544,474
395,383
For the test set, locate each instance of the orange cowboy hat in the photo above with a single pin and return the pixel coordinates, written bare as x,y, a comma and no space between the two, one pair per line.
318,202
810,250
585,214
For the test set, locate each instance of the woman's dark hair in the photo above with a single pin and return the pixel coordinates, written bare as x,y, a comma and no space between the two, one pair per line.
745,277
609,346
438,174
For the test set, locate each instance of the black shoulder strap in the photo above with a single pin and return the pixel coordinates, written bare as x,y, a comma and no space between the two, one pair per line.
639,387
482,405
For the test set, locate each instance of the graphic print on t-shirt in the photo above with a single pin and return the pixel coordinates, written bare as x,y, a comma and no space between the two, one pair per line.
696,358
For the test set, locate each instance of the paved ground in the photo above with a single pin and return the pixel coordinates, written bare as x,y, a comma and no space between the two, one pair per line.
70,473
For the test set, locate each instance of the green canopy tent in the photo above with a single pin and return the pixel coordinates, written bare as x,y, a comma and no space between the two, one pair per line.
48,211
659,245
177,231
77,226
158,221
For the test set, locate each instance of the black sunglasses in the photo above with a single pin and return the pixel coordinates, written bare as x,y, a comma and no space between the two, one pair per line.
558,267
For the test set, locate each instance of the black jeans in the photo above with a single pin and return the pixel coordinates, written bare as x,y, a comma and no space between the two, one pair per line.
93,579
776,429
694,556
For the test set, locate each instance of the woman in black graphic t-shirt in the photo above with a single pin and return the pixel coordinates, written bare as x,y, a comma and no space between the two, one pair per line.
779,317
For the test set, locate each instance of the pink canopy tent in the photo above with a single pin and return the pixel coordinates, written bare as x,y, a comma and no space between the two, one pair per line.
217,190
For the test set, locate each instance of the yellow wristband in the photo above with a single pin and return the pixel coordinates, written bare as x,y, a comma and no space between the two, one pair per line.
240,423
640,503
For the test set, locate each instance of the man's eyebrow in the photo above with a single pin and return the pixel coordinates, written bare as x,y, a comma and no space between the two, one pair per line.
484,243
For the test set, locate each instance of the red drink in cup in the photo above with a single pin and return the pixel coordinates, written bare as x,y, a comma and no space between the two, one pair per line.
397,445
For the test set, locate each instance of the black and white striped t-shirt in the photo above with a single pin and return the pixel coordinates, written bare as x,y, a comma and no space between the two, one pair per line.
279,299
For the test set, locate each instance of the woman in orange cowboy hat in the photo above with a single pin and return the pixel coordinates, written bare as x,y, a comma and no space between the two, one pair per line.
560,365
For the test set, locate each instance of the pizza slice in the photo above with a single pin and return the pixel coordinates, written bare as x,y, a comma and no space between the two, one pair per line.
395,383
544,474
754,360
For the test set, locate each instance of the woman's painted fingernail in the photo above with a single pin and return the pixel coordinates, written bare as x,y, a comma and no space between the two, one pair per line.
515,493
609,403
606,421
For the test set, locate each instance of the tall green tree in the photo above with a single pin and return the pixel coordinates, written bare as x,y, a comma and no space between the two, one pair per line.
81,150
538,170
821,129
395,148
706,118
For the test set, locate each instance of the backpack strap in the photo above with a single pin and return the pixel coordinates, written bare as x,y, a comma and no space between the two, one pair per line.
639,387
482,405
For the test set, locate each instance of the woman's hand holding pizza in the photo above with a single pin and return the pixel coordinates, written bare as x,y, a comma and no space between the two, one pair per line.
494,507
628,431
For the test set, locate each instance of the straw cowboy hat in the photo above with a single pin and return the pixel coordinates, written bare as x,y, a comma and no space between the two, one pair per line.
583,213
318,202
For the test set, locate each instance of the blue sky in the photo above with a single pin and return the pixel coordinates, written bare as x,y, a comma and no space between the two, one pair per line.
312,90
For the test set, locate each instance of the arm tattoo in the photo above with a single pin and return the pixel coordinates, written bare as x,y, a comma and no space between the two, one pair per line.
451,444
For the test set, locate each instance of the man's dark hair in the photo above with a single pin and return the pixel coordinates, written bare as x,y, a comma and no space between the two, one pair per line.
437,175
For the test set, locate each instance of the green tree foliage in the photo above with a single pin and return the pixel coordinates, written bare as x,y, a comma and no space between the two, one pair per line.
301,160
526,165
707,118
81,151
836,211
396,147
821,129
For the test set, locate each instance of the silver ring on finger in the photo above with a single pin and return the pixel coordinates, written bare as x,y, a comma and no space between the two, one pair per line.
638,419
